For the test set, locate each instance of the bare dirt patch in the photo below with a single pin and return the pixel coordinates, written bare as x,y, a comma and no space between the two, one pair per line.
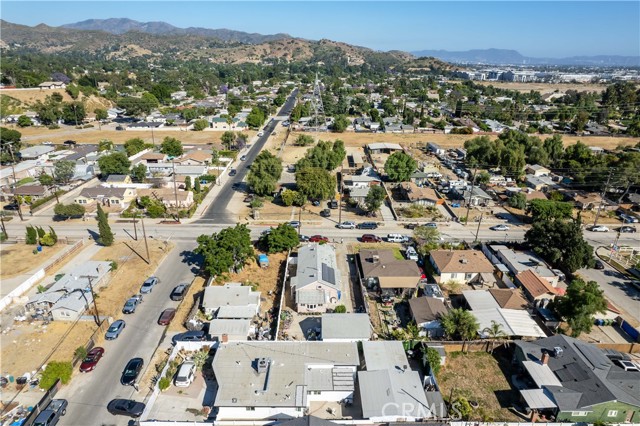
186,305
544,88
19,258
31,96
478,377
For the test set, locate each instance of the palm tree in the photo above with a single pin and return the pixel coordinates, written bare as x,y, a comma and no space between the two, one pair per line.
494,332
460,323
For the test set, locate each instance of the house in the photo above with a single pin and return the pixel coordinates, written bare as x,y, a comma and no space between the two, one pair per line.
50,85
360,181
359,194
38,153
316,285
229,330
590,201
576,382
380,270
539,183
106,196
419,178
347,327
508,298
355,160
390,390
383,148
169,196
145,125
537,170
153,158
423,196
195,158
463,266
538,290
435,148
476,196
35,192
231,301
117,180
519,261
426,312
266,380
180,170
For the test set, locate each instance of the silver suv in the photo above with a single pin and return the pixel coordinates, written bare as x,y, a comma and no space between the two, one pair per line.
347,225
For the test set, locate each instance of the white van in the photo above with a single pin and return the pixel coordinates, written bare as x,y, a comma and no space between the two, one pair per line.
397,238
411,254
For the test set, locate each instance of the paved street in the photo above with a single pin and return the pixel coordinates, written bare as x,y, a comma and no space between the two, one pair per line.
90,393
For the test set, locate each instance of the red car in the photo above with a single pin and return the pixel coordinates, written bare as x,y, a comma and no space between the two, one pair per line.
166,316
318,239
91,360
370,238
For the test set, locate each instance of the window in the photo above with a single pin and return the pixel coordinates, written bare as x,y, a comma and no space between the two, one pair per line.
454,276
612,413
579,413
311,306
468,276
251,408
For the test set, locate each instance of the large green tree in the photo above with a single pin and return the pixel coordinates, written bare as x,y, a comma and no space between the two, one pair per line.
374,198
104,229
9,142
427,237
63,171
340,124
400,166
139,172
225,251
69,210
134,146
316,183
114,164
580,303
283,238
172,147
518,201
264,173
256,118
546,210
73,112
325,154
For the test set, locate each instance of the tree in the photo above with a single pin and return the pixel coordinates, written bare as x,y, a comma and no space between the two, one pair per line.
316,183
162,92
24,121
304,140
290,198
104,230
283,238
256,118
9,142
56,370
187,183
172,147
483,177
554,148
427,237
105,145
134,146
63,171
518,201
139,172
460,323
114,164
494,332
101,114
400,166
200,125
340,124
45,179
582,117
546,210
69,210
432,358
561,243
374,198
325,154
580,303
264,173
225,251
228,138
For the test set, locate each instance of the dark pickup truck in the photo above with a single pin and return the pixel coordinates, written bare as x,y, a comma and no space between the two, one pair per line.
51,415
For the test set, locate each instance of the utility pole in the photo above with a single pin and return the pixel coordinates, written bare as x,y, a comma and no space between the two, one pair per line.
615,244
4,229
135,228
340,198
300,221
144,235
604,192
175,189
473,182
478,229
96,316
15,183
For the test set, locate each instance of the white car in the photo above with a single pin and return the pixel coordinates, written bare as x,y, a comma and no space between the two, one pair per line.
347,225
500,228
186,374
599,228
260,133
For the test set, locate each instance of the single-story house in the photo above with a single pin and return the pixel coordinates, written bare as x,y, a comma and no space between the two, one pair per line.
355,160
52,85
381,270
38,152
475,195
462,266
169,196
419,178
145,125
360,181
106,196
34,191
117,180
195,158
538,290
537,170
508,298
231,301
153,157
426,312
591,201
347,327
539,182
519,261
359,194
423,196
229,330
383,148
317,284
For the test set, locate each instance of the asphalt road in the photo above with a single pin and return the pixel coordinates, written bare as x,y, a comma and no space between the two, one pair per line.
217,212
89,393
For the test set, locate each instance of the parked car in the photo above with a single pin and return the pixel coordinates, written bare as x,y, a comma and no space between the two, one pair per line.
325,213
333,204
131,371
599,228
125,407
304,238
166,316
627,229
260,133
131,304
411,254
346,225
179,292
370,238
431,225
91,360
397,238
500,228
186,374
114,330
628,218
190,336
367,225
243,157
233,172
294,224
599,264
148,285
51,415
318,239
411,225
315,203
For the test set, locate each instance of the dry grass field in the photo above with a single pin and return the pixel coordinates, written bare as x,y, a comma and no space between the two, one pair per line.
544,88
30,96
18,258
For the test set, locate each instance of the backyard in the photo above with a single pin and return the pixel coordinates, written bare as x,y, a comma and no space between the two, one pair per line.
19,258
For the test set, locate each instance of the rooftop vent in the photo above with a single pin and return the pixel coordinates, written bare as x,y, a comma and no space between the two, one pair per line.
557,351
262,365
465,261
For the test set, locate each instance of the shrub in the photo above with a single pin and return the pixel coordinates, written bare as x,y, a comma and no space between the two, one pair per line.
32,235
113,265
164,383
48,240
56,370
80,352
340,309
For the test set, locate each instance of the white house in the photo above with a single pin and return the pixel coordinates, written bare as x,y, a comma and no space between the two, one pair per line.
463,266
317,283
38,153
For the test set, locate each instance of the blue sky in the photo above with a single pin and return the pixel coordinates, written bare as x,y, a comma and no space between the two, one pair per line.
540,29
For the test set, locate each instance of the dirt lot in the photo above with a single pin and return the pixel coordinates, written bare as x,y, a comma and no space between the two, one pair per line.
18,258
545,87
17,358
477,376
30,96
177,324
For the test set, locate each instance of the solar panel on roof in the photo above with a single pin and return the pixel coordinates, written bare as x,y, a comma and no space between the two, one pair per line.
328,274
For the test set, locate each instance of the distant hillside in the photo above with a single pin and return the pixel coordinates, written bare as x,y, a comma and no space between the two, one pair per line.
124,25
512,57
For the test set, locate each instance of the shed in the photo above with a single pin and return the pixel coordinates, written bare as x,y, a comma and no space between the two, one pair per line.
263,260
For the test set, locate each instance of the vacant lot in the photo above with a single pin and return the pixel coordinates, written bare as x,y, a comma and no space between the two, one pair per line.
31,96
19,258
478,377
545,87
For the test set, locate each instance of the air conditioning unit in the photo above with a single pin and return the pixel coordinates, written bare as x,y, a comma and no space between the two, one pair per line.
557,351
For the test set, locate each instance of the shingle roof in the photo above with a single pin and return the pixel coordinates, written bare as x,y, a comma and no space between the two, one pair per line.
425,309
508,299
464,261
534,284
30,190
346,326
103,192
382,264
416,193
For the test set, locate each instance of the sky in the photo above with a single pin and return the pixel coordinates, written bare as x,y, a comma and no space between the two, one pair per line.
538,29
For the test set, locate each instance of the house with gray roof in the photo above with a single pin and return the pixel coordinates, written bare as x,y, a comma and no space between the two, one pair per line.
347,327
316,284
575,381
38,152
231,301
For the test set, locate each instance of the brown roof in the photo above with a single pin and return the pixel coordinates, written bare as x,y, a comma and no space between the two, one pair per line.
416,193
391,272
464,261
153,156
103,192
508,299
534,284
164,194
535,195
426,309
30,190
199,155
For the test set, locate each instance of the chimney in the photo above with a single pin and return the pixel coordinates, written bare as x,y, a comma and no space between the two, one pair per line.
545,358
225,338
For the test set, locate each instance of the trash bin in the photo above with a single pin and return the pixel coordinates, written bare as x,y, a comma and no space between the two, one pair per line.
11,379
39,248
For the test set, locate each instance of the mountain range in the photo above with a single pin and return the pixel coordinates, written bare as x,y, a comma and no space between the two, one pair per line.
513,57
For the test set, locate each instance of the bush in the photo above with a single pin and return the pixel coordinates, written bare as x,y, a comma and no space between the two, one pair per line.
43,200
80,352
48,240
32,235
3,236
164,383
340,309
113,265
56,370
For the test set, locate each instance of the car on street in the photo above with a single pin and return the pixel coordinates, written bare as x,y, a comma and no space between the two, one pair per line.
233,172
367,225
627,229
397,238
11,207
599,228
260,133
185,375
125,407
166,316
325,213
179,291
304,238
370,238
500,228
148,285
114,330
333,204
131,304
628,218
131,371
190,336
599,264
411,225
51,415
347,225
285,123
242,158
294,224
318,239
431,225
91,360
